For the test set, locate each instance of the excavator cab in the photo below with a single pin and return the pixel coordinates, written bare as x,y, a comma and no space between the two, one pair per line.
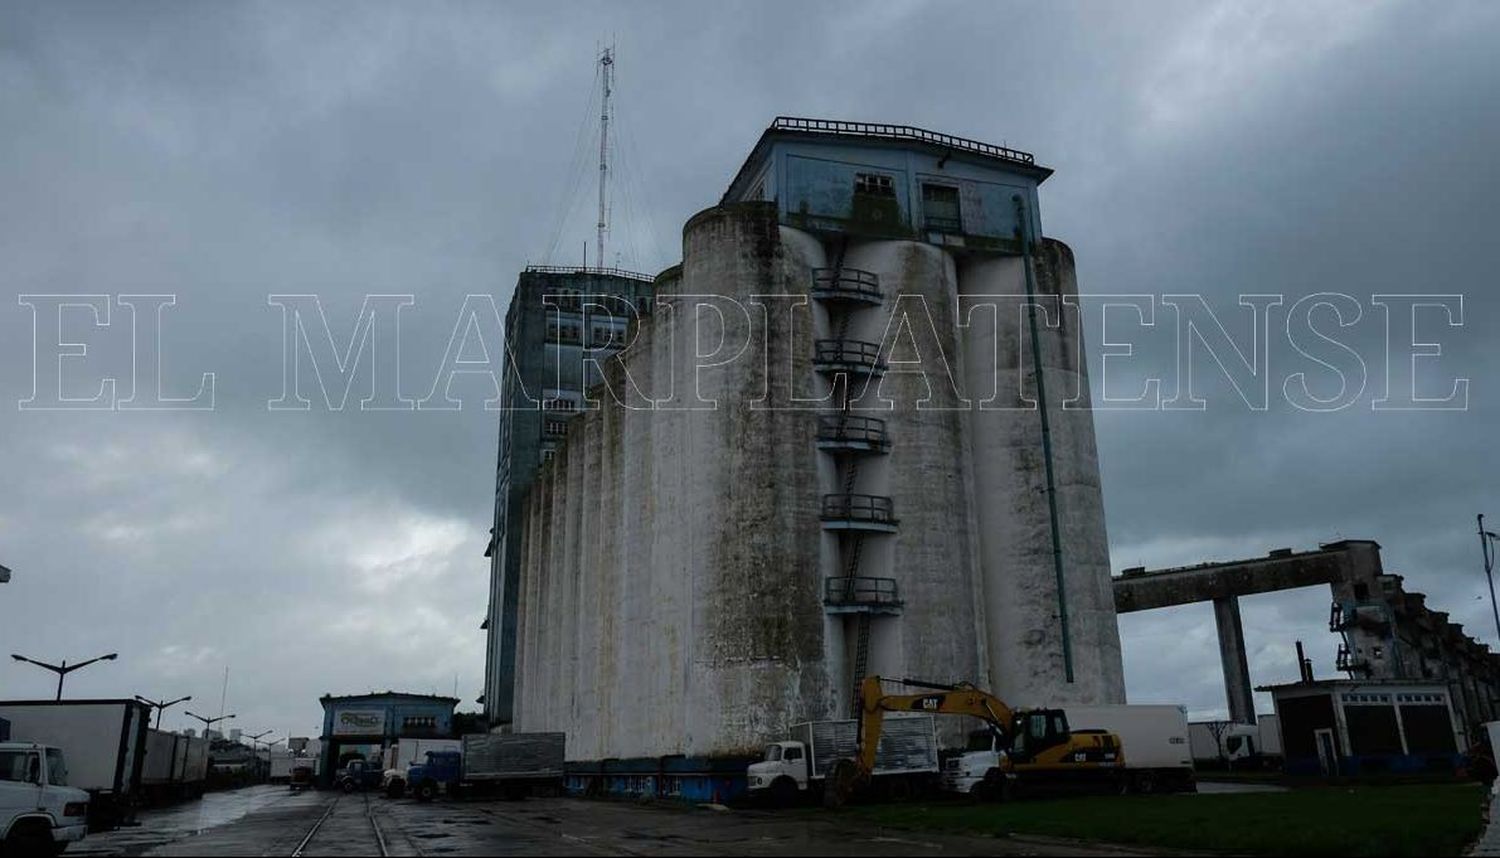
1036,730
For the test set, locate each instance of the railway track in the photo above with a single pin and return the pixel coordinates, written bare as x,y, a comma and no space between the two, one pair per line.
342,832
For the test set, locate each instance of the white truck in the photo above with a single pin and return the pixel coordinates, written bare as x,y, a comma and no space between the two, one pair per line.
1154,739
906,761
105,744
406,753
39,813
1227,744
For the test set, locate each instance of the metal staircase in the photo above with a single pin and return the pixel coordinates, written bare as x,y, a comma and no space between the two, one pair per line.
849,438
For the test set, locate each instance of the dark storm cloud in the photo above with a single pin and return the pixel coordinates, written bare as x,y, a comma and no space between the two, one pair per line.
222,153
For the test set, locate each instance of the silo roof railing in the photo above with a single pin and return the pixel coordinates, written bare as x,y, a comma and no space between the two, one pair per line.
833,355
874,509
853,430
583,269
838,127
846,284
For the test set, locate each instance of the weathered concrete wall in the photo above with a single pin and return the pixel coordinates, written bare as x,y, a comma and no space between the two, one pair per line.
1022,617
672,599
674,559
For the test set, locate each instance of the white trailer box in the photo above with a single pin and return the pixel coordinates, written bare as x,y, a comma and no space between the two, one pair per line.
1270,735
409,752
1155,739
104,742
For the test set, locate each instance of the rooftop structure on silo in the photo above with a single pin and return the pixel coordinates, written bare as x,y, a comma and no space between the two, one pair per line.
874,180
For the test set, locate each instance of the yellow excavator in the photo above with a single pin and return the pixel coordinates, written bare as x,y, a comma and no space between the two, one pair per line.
1040,749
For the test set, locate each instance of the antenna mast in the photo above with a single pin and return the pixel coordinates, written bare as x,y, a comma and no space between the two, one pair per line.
606,65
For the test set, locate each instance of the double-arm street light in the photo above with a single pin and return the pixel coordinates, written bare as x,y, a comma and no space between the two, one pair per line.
255,739
159,705
62,670
208,722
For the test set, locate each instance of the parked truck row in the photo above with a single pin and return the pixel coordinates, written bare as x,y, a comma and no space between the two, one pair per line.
891,750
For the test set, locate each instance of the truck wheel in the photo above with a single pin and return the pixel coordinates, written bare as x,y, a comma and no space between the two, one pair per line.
783,792
426,791
1145,782
30,838
348,785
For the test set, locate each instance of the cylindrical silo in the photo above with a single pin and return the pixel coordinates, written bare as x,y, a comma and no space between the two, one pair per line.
1034,627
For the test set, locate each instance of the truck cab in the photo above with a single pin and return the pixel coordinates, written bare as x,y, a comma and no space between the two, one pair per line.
39,812
965,774
358,774
442,769
782,773
989,764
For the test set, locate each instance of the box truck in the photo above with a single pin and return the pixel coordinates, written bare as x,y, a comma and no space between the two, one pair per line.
906,761
104,742
512,764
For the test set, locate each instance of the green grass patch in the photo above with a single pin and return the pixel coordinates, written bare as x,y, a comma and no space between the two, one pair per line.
1425,819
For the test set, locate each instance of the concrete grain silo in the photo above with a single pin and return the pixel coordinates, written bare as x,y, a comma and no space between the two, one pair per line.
868,491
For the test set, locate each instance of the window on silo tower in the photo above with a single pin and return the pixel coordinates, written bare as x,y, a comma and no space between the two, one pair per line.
875,201
940,208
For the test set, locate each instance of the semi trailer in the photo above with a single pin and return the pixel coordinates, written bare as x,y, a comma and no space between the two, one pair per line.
511,764
1153,738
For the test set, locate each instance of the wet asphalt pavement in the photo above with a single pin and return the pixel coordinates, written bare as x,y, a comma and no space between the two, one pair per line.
270,820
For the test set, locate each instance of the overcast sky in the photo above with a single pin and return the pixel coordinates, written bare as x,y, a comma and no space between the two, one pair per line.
224,152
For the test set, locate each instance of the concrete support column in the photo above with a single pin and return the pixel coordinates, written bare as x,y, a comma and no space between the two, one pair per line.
1232,655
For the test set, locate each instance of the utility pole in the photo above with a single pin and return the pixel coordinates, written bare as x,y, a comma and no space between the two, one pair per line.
606,70
160,705
62,670
1487,541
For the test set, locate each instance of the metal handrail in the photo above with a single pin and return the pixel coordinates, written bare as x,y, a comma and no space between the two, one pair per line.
847,427
900,132
850,281
861,352
859,507
858,590
581,269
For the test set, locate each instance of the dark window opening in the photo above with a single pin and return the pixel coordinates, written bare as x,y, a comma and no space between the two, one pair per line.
940,208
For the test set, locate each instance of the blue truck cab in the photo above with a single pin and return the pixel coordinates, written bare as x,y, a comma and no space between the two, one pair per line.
442,770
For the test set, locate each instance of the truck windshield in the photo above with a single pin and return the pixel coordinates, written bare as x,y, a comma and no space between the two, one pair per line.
980,740
57,769
773,753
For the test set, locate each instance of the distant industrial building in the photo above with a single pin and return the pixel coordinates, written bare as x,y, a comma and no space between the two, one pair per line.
1385,633
698,572
362,725
558,317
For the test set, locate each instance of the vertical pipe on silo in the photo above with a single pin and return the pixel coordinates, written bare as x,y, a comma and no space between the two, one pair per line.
1022,224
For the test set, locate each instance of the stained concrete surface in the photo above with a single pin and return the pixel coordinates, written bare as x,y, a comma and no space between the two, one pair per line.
273,821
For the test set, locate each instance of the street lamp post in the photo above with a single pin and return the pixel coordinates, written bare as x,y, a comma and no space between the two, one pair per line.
1486,544
62,670
160,705
208,722
255,739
